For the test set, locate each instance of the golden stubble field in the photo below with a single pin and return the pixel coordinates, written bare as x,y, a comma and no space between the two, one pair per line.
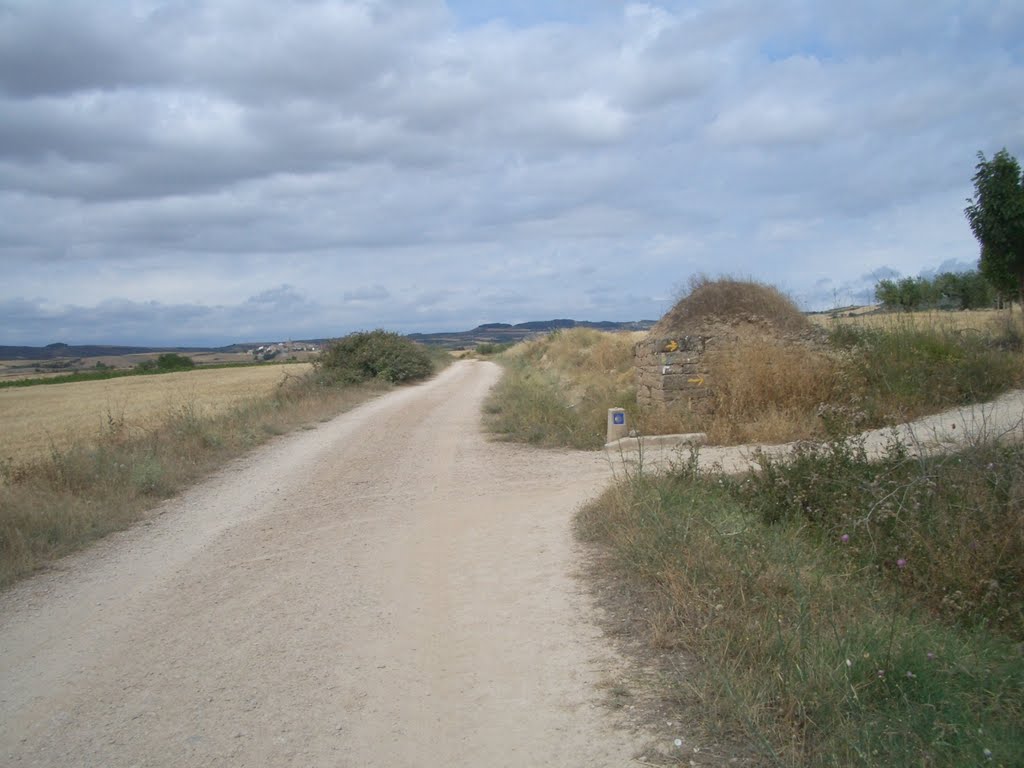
973,319
34,420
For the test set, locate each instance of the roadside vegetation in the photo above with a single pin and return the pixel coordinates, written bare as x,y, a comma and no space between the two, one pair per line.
829,610
557,389
825,610
104,481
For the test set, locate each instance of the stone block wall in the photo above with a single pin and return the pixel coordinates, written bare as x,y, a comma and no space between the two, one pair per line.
674,370
671,371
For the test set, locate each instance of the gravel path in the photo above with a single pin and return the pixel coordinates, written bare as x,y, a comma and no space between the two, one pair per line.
389,589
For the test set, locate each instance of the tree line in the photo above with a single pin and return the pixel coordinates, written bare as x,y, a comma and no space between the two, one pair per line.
948,290
996,216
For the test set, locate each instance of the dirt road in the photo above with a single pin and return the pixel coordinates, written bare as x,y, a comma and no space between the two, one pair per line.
389,589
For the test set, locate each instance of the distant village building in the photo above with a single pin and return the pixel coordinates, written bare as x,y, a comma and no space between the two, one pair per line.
271,351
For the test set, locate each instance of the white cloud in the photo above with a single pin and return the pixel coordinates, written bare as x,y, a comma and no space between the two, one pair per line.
422,165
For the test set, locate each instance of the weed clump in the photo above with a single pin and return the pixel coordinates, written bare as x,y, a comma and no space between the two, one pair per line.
840,612
378,354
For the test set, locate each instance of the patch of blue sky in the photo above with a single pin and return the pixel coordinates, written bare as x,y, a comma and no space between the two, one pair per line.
530,13
780,49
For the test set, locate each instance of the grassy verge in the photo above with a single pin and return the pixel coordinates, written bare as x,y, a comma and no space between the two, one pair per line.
53,506
841,612
557,389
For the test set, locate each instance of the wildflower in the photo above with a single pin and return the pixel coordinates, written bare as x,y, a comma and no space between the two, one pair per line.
931,656
849,663
678,742
987,753
910,675
845,538
901,563
881,674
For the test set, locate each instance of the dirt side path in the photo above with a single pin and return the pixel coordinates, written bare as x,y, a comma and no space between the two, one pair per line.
389,589
1001,420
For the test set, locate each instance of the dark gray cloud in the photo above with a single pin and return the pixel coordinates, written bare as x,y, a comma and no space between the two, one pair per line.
222,166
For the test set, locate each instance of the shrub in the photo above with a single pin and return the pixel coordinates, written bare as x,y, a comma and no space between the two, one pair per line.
168,361
491,348
831,611
378,354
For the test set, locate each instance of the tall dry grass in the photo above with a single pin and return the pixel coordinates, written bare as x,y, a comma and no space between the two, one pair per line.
85,489
557,389
770,392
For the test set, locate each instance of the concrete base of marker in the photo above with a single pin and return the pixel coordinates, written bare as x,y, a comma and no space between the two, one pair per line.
656,441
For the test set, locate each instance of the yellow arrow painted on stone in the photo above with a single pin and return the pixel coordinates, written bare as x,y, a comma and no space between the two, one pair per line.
698,380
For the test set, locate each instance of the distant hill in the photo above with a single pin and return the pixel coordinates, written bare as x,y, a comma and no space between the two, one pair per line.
57,351
488,332
500,333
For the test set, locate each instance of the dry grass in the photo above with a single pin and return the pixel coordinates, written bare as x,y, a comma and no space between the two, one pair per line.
982,320
38,420
729,298
52,505
767,392
557,389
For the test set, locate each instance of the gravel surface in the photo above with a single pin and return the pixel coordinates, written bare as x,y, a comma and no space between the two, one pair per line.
389,589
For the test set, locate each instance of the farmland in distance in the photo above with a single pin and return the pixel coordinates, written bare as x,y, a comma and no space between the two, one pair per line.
38,420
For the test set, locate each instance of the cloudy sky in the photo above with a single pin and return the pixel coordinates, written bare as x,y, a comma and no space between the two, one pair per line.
212,171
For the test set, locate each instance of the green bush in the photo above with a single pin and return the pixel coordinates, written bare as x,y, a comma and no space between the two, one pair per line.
168,361
491,348
171,361
378,354
956,518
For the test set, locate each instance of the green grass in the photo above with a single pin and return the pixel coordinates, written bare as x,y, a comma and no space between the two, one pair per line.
841,612
903,371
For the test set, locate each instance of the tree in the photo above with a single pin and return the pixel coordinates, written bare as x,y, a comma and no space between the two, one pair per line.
996,216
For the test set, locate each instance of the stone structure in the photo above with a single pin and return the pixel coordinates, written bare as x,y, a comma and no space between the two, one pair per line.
673,368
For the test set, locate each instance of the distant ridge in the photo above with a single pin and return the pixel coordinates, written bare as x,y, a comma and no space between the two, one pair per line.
59,350
488,332
504,332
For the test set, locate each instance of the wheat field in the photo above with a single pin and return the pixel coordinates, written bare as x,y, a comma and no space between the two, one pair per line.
36,420
974,319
